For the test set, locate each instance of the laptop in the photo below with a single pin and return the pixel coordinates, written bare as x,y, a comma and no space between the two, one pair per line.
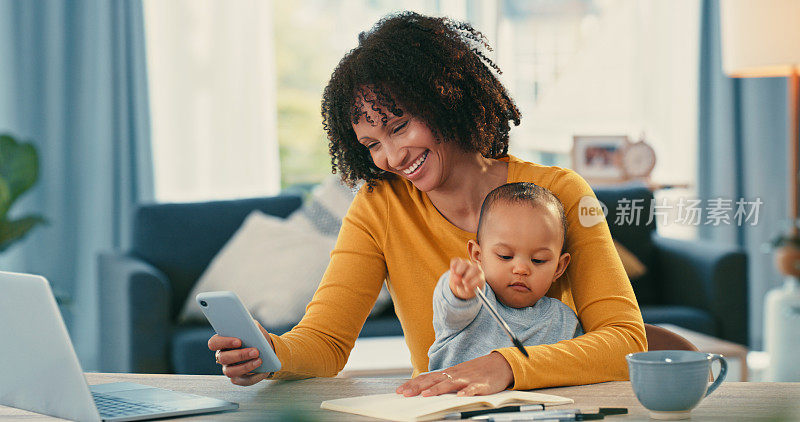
40,372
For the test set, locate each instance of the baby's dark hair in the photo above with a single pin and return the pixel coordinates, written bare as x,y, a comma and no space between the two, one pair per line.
523,193
432,68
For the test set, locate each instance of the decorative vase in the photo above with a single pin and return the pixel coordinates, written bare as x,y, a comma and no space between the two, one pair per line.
782,318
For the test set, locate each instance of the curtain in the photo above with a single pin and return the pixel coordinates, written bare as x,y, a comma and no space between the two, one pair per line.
212,74
742,139
73,82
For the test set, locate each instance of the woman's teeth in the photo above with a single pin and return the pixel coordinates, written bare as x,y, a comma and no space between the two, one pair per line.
412,168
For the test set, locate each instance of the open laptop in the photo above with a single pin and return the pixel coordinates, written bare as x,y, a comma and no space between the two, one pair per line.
40,372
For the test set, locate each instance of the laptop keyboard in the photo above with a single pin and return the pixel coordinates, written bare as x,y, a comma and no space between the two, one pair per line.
110,406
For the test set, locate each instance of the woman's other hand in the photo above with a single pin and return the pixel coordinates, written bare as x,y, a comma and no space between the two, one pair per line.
480,376
465,275
238,364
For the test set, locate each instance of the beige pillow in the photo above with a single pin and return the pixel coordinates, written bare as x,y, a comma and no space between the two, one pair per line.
273,266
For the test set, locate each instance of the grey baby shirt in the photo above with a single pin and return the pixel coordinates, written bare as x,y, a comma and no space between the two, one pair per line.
466,330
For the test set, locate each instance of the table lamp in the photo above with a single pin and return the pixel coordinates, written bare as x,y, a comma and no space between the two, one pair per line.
762,39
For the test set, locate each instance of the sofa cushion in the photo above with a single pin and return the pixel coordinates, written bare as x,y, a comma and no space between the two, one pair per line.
687,317
274,267
181,239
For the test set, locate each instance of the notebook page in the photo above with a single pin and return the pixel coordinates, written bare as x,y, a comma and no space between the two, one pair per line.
396,407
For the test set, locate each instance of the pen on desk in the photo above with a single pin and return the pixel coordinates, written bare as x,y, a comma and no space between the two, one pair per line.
545,415
583,417
601,414
608,411
561,417
556,415
500,321
504,409
528,415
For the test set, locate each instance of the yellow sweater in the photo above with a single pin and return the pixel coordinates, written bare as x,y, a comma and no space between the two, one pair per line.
395,233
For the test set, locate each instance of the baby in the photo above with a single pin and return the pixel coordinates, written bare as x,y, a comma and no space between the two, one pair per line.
519,253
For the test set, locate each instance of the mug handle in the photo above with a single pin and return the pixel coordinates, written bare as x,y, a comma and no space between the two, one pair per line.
723,370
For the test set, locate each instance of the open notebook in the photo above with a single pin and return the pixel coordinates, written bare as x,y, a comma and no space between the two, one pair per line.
396,407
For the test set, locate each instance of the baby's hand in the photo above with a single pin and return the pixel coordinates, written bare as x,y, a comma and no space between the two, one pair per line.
464,277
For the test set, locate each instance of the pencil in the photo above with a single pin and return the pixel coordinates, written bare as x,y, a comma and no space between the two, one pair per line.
500,321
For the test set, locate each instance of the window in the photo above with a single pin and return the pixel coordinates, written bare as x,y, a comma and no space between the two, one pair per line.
236,86
212,98
604,68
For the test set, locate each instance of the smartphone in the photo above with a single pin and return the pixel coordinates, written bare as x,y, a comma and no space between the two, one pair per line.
230,318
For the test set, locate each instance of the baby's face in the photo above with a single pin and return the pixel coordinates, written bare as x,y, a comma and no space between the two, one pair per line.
520,251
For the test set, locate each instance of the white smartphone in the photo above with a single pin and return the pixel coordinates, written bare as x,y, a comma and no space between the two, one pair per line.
230,318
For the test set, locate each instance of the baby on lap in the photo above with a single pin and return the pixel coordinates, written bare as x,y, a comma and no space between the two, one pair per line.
518,254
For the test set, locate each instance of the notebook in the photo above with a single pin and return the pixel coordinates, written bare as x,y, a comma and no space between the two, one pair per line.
396,407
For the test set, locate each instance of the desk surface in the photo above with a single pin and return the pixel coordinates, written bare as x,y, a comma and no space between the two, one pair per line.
282,400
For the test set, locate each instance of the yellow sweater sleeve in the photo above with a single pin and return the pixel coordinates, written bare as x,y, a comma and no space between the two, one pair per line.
603,298
320,344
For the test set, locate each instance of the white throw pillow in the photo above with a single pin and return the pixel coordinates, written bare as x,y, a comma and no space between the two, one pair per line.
275,265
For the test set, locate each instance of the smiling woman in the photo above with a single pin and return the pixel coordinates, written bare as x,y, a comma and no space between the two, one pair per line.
404,146
417,112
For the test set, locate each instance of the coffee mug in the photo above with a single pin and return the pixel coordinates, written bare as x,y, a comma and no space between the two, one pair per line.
670,383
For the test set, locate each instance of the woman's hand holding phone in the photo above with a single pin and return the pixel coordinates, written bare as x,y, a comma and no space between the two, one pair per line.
241,345
238,364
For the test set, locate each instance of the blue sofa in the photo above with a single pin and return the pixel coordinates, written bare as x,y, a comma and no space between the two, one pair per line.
696,285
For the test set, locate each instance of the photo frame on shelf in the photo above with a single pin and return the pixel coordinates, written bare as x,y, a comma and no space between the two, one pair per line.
598,157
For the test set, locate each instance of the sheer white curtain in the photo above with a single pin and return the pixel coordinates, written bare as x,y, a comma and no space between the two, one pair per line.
596,67
211,72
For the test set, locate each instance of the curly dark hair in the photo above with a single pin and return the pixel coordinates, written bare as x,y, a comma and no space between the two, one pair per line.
432,68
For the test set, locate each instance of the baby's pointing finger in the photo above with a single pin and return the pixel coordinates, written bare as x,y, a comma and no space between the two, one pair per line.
472,277
459,269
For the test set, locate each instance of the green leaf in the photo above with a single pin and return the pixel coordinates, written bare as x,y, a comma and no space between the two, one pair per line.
11,231
19,170
5,198
19,165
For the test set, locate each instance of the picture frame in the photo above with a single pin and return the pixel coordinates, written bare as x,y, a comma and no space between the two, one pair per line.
598,157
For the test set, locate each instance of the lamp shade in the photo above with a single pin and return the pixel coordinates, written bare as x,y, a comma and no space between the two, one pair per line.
760,38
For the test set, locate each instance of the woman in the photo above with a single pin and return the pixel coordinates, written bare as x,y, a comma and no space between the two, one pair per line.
416,111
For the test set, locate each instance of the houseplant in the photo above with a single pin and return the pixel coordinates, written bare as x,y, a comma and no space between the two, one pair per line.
19,170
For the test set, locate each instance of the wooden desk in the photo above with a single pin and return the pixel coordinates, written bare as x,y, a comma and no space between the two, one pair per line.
282,400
